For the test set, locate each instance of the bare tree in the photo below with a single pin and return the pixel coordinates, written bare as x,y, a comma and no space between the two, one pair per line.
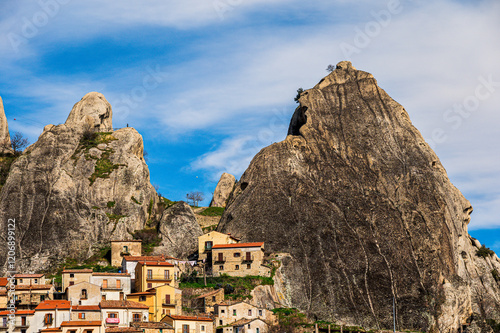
18,142
195,197
330,68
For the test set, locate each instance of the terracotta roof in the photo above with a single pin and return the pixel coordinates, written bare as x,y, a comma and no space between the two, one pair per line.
214,292
144,293
85,270
80,323
122,305
154,263
3,292
241,322
109,274
4,281
55,329
33,276
151,325
144,258
34,287
18,312
53,304
86,308
197,318
122,329
237,245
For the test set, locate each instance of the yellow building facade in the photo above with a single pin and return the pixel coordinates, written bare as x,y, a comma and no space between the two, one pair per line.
149,275
208,240
162,300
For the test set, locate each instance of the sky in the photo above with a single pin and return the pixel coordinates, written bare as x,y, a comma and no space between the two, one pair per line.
208,83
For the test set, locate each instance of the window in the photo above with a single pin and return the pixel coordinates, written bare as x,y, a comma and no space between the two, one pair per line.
150,285
23,331
4,322
260,312
220,322
248,256
166,273
103,297
150,273
136,317
84,294
72,275
234,312
249,326
118,284
122,296
36,281
163,311
167,299
112,315
142,298
222,311
249,266
71,283
71,331
236,254
221,267
220,257
250,313
257,330
236,267
202,328
213,298
42,298
125,249
88,331
81,315
48,319
23,321
104,283
185,328
208,245
20,281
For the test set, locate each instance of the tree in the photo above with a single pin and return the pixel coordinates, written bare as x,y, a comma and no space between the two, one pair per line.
18,142
299,91
195,197
330,68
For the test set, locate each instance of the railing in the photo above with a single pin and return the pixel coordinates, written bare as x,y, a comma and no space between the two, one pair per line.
219,260
158,277
115,287
247,259
125,253
208,248
168,304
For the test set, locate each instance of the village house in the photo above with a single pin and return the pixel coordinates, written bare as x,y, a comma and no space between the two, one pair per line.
81,326
129,263
228,313
208,240
122,248
29,296
153,327
255,325
161,301
85,312
150,274
123,313
50,314
30,279
3,293
205,303
84,293
189,324
20,324
239,259
114,286
71,277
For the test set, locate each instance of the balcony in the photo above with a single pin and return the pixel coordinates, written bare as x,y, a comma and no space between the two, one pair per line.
125,253
168,304
219,260
112,320
159,277
247,259
112,287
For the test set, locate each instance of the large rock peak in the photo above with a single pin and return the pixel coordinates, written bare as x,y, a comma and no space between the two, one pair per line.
92,111
367,214
4,132
223,190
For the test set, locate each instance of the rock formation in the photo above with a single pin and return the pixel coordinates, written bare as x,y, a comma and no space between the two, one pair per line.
367,215
223,190
5,147
79,185
179,231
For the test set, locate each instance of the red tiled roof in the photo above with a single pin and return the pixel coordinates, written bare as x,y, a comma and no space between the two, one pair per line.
80,323
214,292
150,325
144,293
144,258
53,304
33,276
109,274
197,318
55,329
18,312
85,270
153,263
4,281
86,308
237,245
34,287
122,305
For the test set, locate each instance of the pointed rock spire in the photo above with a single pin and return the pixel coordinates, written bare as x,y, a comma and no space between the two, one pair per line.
5,146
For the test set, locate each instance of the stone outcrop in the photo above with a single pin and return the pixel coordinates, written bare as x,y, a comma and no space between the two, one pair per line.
80,185
223,190
5,147
179,231
366,214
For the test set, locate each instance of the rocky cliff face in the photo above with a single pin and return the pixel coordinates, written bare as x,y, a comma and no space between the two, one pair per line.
79,185
223,190
367,214
5,147
179,231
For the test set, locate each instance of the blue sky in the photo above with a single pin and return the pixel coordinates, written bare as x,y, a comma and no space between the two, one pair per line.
208,83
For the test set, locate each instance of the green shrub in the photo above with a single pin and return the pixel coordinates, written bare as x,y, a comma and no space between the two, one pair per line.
111,204
149,238
495,274
213,211
135,200
484,252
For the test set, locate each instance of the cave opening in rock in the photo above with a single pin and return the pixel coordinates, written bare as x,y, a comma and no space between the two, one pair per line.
299,118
